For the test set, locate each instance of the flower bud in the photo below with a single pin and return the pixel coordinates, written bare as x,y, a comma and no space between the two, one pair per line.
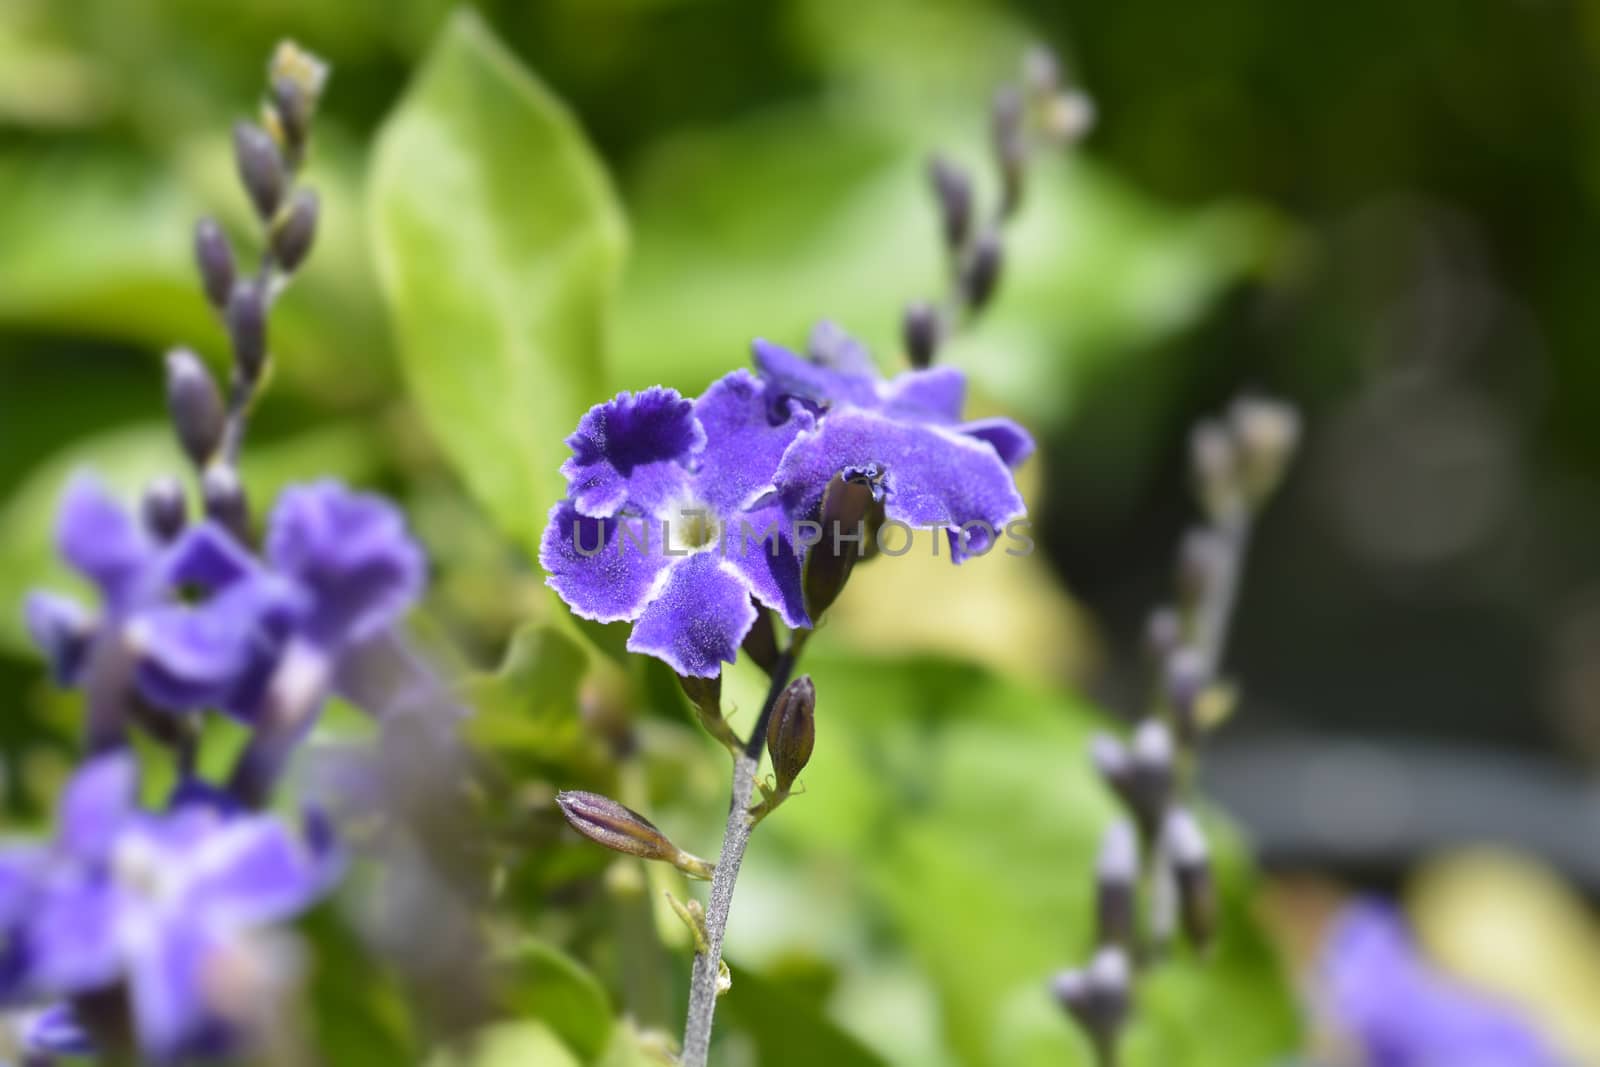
214,256
1111,761
953,188
706,696
292,112
919,328
846,504
1186,679
260,166
792,731
1267,432
1010,147
605,822
222,495
1184,843
761,643
1163,631
1215,465
1098,997
293,234
195,406
247,329
1116,880
1041,71
1068,116
163,508
981,272
1151,774
1202,559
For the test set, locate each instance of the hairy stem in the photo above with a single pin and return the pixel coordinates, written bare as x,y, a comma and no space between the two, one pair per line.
735,837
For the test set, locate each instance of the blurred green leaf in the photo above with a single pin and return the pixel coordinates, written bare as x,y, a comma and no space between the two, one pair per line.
963,806
511,1044
787,1029
124,460
529,707
498,245
552,987
358,1014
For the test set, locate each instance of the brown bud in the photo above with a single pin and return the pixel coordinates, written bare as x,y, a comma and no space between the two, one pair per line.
621,829
953,188
1116,881
163,508
792,731
761,643
920,331
981,272
1184,844
1098,997
222,495
706,696
846,505
247,328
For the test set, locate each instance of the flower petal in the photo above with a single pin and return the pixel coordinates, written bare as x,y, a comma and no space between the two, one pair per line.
207,556
743,445
632,450
1010,441
102,541
96,803
933,395
790,374
927,475
63,631
174,1011
254,870
758,543
215,654
55,1031
698,620
605,569
352,555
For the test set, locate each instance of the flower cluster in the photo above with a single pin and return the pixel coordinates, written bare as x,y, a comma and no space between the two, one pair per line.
679,512
1381,995
159,907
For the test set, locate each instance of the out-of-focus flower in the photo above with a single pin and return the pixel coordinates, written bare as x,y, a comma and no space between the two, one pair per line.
1381,995
658,527
164,904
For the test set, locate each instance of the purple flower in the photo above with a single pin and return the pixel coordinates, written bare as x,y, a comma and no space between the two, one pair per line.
904,436
206,623
1381,994
163,903
661,528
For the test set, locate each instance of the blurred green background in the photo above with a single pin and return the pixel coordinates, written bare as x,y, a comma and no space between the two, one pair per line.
1380,213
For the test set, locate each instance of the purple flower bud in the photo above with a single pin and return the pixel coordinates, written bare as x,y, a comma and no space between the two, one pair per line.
1202,559
214,256
247,329
621,829
63,631
223,498
292,108
260,166
792,731
1186,679
1151,774
1163,631
163,508
919,330
1184,843
981,271
195,406
1098,998
293,234
953,188
1116,880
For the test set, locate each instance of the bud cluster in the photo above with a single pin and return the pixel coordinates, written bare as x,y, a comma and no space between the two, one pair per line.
1153,876
1036,112
268,156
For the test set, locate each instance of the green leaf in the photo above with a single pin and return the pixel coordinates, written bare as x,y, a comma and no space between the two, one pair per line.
511,1044
530,705
552,987
498,244
124,460
787,1029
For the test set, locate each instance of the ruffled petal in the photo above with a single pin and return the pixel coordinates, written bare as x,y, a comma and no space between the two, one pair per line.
927,476
215,654
830,345
822,387
103,541
933,395
63,631
759,544
1010,441
205,556
698,620
352,555
605,569
632,450
743,444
